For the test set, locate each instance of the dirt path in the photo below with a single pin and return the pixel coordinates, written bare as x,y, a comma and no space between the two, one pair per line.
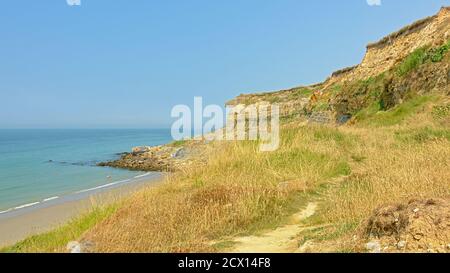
280,240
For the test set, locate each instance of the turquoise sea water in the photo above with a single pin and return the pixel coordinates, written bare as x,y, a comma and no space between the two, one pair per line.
39,165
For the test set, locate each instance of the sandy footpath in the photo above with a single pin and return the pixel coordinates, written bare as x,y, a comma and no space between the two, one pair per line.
20,226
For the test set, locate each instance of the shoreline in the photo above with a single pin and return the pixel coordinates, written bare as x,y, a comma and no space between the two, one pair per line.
28,220
73,196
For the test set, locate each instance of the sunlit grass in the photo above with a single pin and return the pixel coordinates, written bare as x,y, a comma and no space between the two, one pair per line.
373,116
389,157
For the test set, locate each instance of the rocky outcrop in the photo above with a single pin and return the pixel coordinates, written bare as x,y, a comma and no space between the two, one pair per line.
291,101
166,158
141,149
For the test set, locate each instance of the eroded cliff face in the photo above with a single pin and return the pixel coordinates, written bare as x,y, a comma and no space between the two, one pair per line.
292,102
392,49
349,89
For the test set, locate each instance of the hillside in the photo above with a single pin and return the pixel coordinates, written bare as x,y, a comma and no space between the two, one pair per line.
390,72
377,183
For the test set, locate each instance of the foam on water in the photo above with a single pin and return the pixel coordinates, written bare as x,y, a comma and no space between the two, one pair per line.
50,198
26,205
73,196
32,172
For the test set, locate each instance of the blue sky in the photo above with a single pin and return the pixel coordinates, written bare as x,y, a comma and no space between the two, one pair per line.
125,64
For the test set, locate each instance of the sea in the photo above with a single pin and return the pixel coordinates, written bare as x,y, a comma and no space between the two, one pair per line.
43,166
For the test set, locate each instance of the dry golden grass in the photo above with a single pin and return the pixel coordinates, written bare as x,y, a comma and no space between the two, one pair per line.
240,190
394,165
390,172
349,171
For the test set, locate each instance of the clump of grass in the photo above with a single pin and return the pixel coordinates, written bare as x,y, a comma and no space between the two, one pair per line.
374,117
438,54
321,106
354,96
421,56
329,135
422,135
358,158
413,61
300,93
441,111
296,116
274,99
335,89
391,174
178,143
368,112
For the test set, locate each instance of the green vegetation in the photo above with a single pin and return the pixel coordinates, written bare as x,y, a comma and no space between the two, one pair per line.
178,143
423,135
421,56
223,245
373,116
441,111
295,116
329,135
321,106
368,112
364,98
274,99
437,55
372,86
302,92
413,61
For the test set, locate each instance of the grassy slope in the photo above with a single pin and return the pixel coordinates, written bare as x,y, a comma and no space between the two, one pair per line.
243,191
388,157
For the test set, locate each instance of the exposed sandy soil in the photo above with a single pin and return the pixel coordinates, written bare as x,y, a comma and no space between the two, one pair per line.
419,226
280,240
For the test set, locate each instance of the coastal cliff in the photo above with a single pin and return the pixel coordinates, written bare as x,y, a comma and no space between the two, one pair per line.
351,89
374,181
404,64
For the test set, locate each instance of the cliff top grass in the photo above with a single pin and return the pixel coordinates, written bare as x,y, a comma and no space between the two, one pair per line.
416,26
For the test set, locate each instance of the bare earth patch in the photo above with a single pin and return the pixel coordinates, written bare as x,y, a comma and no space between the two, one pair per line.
419,226
280,240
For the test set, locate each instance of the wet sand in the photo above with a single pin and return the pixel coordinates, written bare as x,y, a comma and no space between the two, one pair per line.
24,223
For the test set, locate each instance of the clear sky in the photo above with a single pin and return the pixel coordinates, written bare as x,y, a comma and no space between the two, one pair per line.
125,64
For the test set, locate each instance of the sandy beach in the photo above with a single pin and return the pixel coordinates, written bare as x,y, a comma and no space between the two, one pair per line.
21,224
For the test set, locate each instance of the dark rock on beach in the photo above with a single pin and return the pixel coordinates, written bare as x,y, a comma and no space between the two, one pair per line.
166,158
